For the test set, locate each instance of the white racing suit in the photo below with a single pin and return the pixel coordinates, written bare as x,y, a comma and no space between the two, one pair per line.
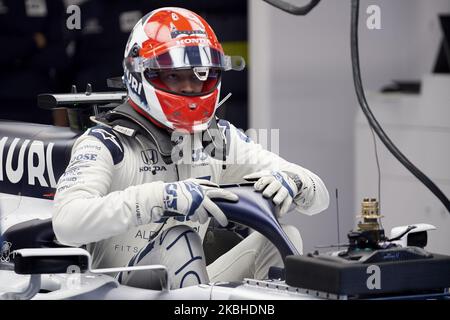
104,199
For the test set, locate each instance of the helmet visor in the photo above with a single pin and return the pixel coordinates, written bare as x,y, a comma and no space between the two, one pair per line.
196,81
186,58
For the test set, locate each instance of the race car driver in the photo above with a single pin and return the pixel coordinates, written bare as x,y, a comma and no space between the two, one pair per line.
139,188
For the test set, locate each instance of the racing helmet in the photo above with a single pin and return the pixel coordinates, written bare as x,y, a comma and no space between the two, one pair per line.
175,45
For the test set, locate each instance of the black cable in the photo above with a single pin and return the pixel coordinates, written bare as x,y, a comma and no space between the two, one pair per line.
337,218
293,9
371,118
379,173
378,165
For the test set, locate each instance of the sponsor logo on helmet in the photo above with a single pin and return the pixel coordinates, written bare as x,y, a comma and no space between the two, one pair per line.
133,83
30,158
193,41
178,33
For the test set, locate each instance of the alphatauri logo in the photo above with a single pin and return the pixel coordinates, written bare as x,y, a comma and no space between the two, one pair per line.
26,158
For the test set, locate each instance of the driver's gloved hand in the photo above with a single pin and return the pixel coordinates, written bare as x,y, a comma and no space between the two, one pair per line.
276,184
192,198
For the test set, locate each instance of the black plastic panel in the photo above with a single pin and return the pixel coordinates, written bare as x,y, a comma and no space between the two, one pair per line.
46,265
316,273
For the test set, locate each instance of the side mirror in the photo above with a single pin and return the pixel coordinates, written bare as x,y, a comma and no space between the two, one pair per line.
55,260
415,235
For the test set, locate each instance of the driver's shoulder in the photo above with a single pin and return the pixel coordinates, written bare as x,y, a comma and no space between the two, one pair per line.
103,140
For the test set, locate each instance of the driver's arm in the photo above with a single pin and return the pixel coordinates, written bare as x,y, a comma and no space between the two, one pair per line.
85,209
246,157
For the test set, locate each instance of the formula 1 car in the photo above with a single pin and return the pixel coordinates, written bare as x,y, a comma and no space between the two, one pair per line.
34,266
66,273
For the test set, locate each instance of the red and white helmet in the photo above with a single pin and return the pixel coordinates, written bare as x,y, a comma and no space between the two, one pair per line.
175,39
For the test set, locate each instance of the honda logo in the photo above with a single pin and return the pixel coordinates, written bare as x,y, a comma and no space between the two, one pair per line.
149,156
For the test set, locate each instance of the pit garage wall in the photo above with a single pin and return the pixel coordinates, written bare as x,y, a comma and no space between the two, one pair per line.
301,82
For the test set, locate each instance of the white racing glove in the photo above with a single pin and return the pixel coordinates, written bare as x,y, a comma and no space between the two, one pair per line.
276,184
192,198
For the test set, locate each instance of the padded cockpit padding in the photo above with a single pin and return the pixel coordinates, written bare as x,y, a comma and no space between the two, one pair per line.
33,157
